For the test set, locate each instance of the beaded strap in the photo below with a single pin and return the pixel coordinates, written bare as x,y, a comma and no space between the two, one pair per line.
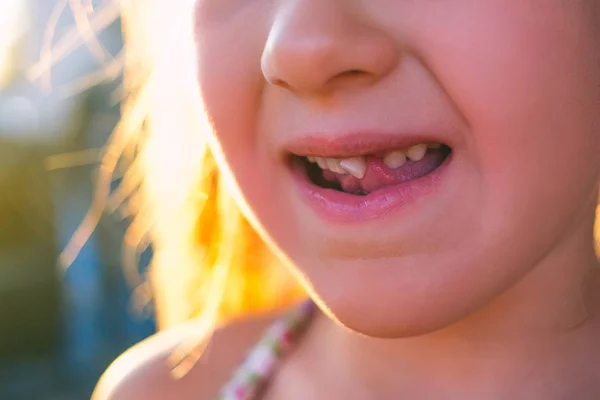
262,360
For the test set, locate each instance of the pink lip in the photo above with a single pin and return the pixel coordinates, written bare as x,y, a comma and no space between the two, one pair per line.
341,207
361,143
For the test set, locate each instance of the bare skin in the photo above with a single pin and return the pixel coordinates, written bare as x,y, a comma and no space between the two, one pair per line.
553,356
561,363
328,363
143,372
540,340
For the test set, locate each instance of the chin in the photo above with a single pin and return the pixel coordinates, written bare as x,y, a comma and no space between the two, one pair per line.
401,298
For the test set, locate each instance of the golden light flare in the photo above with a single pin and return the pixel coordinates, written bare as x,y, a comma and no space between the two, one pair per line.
13,26
208,261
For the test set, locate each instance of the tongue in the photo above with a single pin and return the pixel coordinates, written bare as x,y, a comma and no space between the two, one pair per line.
379,175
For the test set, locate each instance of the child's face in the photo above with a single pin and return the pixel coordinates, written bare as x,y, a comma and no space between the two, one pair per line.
510,86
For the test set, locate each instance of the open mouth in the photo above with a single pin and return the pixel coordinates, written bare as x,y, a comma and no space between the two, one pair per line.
364,174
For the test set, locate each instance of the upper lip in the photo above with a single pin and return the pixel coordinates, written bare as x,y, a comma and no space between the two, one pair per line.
355,144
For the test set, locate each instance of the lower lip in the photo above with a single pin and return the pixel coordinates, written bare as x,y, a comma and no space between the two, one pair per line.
340,207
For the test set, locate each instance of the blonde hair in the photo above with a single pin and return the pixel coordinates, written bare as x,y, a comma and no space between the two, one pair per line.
208,261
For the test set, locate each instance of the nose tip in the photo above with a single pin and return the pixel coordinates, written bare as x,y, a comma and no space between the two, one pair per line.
312,51
311,66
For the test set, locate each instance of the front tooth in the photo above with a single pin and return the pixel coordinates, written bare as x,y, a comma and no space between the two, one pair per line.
322,162
311,159
395,159
341,170
334,165
417,152
356,166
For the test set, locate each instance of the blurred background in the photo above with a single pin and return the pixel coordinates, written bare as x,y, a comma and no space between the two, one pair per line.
59,329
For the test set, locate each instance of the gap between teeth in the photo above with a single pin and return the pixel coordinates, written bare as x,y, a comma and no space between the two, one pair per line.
357,166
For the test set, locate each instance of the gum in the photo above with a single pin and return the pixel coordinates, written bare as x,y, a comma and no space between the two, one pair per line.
379,175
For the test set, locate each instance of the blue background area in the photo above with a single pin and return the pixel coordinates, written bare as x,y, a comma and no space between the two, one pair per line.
97,321
90,319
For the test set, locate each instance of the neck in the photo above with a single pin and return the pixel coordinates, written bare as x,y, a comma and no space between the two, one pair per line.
544,329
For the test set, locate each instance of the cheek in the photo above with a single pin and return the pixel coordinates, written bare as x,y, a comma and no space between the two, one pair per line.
225,75
230,86
229,46
524,85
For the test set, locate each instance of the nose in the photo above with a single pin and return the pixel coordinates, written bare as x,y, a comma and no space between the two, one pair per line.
316,46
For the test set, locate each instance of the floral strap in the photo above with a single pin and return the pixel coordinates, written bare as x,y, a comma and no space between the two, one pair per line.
262,360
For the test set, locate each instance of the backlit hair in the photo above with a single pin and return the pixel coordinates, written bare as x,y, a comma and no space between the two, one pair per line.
209,263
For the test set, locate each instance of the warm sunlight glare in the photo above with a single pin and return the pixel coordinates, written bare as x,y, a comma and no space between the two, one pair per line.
12,28
173,153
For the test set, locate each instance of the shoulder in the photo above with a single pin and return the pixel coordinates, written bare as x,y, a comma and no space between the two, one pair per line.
144,371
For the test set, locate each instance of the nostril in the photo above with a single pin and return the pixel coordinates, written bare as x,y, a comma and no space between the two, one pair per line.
350,77
343,78
353,72
281,83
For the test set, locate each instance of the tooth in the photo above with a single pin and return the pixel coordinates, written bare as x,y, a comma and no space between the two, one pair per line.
356,166
311,159
395,159
341,170
322,162
417,152
434,145
334,165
